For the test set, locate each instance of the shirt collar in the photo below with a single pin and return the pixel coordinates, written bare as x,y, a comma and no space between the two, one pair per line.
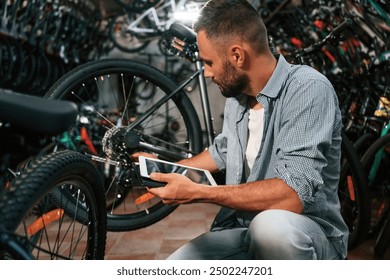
277,79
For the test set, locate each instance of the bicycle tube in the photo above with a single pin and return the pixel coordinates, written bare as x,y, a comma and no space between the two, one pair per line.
26,204
110,89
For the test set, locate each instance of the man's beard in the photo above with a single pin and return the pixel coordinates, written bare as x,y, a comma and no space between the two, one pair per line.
233,83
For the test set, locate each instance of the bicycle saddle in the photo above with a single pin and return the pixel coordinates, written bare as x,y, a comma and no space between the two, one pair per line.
37,114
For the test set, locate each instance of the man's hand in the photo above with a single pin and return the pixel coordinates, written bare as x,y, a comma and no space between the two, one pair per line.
178,190
136,155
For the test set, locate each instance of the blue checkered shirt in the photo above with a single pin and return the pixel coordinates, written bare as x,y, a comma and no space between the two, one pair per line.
301,144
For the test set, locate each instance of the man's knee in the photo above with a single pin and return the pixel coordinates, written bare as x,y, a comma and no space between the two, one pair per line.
270,227
273,235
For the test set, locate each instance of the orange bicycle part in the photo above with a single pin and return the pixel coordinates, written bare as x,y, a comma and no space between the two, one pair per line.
45,220
144,198
351,188
84,135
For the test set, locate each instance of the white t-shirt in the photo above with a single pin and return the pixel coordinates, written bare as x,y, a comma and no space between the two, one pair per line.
255,130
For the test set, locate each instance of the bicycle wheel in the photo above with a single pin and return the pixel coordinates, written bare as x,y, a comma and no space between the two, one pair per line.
47,227
376,164
111,95
125,40
353,194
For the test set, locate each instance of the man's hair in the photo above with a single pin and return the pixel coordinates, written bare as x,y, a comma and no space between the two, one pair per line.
226,20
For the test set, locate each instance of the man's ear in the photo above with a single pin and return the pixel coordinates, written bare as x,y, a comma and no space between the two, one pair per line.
237,55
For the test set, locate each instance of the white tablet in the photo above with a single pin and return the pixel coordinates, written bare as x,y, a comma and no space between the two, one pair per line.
149,165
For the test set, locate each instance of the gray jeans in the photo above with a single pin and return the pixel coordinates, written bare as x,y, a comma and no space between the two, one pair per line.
272,235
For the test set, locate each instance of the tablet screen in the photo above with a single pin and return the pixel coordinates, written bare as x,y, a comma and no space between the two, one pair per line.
149,165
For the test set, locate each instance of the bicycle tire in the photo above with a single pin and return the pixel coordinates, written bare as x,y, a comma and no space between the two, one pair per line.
26,206
353,194
382,242
364,142
7,60
177,124
11,248
379,192
17,55
26,72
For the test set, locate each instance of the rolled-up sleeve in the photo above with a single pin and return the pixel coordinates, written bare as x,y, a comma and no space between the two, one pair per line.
306,127
218,149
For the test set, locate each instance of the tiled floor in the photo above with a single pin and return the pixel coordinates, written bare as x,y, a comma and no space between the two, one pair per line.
158,241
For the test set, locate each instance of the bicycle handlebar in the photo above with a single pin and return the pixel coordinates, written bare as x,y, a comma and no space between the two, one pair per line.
181,40
331,36
182,32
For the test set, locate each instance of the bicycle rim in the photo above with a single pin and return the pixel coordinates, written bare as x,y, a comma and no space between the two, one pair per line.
113,93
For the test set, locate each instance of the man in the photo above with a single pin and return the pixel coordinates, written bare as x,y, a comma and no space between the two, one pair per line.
279,146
